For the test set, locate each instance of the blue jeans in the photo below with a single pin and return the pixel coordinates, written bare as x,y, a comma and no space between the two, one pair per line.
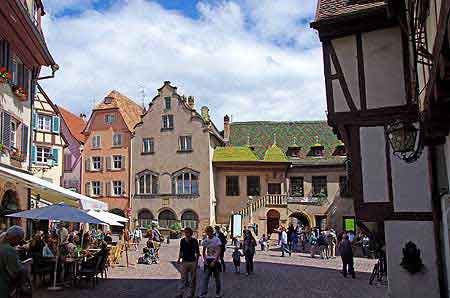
285,248
215,271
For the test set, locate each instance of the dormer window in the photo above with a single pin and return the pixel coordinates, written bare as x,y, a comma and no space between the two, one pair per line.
293,151
317,150
107,100
340,150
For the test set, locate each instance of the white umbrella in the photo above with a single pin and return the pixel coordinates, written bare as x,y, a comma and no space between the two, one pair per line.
105,217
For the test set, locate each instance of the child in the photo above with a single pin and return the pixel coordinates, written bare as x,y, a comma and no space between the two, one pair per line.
263,242
237,260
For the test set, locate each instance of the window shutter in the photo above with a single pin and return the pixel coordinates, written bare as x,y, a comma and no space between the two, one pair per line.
87,189
122,183
101,189
6,129
108,163
55,154
171,121
33,153
24,140
33,120
55,124
108,188
101,163
87,164
124,160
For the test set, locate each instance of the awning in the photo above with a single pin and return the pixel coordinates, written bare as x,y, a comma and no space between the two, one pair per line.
105,217
50,191
117,218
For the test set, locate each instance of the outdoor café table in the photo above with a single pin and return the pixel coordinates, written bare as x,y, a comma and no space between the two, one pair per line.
72,266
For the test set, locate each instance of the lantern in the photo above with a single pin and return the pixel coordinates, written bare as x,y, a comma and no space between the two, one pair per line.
403,139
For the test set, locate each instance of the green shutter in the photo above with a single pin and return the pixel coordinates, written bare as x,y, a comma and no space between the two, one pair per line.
55,154
33,120
55,124
33,153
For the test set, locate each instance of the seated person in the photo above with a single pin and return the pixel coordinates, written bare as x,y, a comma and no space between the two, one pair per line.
12,273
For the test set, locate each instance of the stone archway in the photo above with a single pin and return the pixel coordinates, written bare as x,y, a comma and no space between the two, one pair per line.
145,218
116,229
8,205
300,218
273,221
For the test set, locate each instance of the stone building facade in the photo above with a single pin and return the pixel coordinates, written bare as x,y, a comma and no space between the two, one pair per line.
172,173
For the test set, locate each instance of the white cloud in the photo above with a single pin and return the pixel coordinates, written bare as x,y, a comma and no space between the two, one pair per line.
216,58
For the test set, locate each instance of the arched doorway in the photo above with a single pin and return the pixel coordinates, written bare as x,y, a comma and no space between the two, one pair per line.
9,205
166,218
145,218
115,229
189,219
300,218
273,221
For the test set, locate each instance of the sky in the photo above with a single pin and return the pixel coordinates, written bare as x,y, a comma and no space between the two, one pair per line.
251,59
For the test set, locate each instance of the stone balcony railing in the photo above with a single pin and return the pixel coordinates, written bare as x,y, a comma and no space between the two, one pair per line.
261,202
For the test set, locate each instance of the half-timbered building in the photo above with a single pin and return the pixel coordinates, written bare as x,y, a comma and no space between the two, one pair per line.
384,65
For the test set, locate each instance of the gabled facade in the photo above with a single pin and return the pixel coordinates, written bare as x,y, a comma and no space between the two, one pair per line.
370,52
107,150
48,141
23,52
277,173
72,127
172,170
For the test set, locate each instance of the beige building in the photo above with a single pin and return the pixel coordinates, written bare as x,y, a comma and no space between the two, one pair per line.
277,173
48,142
172,171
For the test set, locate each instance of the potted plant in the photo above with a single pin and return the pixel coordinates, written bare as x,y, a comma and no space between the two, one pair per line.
5,75
3,149
17,155
20,93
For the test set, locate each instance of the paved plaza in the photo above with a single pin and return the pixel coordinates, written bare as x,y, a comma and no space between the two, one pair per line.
276,277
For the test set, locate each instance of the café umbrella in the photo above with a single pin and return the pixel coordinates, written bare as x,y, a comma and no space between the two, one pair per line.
59,212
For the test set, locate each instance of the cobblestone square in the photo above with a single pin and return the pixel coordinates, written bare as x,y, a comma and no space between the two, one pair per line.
277,277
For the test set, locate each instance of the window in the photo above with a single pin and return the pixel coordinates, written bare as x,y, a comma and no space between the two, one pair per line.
117,161
274,188
344,187
167,103
232,185
148,184
42,154
96,188
186,183
67,162
44,122
148,145
96,142
166,219
109,119
117,188
145,218
253,186
13,134
167,121
319,185
297,186
185,143
117,139
189,219
96,163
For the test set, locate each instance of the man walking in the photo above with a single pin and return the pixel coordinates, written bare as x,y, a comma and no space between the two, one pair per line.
189,253
284,242
211,259
223,241
346,251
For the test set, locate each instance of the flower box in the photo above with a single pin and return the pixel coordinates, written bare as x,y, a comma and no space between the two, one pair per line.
16,155
20,93
5,75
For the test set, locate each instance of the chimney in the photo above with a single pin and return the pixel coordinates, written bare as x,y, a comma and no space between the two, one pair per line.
205,113
226,128
83,117
191,102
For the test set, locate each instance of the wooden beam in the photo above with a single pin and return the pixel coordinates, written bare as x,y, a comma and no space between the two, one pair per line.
361,73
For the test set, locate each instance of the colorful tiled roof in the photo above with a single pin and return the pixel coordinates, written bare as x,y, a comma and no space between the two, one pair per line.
329,9
261,135
74,123
130,111
232,153
275,154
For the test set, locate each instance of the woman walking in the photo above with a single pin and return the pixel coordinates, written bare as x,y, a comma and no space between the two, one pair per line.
249,250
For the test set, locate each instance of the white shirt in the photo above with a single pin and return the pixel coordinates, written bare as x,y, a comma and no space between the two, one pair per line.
284,239
212,246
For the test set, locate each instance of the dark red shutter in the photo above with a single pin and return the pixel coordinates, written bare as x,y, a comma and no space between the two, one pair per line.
6,129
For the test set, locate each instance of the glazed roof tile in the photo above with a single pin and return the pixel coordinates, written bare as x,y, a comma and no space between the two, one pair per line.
232,153
74,123
329,9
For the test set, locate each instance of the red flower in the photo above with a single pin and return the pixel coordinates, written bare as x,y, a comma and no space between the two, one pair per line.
2,69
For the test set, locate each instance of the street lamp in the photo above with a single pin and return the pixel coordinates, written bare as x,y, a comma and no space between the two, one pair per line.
405,140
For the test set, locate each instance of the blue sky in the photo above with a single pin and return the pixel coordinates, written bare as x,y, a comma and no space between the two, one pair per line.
238,57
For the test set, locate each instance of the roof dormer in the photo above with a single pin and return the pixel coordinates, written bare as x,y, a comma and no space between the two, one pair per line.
316,149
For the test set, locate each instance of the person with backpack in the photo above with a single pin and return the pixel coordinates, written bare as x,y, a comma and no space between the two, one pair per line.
223,240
